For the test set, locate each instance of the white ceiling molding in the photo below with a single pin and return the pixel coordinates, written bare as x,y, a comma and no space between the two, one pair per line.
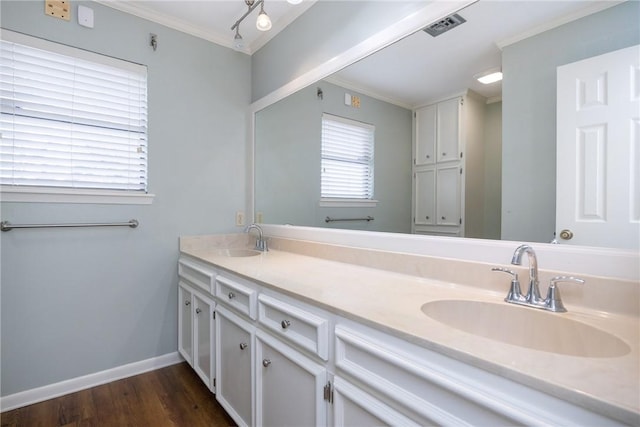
596,7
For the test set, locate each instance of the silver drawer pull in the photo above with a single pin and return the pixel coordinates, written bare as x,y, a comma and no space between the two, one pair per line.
243,345
285,324
231,295
266,362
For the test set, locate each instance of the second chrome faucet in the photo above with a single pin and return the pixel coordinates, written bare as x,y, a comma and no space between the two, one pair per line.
552,302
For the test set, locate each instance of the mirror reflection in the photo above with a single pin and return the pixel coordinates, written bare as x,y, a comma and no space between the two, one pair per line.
507,188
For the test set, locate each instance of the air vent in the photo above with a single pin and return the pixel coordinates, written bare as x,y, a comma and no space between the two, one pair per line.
445,24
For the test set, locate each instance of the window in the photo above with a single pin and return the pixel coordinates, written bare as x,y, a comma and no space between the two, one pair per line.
70,119
347,159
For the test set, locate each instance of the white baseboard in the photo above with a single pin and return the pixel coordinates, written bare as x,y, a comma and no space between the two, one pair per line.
28,397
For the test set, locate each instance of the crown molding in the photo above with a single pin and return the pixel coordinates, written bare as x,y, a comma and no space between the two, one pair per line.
597,6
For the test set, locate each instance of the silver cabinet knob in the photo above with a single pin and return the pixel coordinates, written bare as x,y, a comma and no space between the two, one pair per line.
243,345
198,311
285,324
231,295
266,362
444,154
187,303
444,217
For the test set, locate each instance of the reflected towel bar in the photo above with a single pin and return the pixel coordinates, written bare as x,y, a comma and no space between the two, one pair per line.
329,219
7,226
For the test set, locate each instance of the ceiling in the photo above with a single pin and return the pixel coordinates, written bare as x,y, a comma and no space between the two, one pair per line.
413,71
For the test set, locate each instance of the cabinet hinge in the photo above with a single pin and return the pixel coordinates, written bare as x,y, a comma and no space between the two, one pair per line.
214,382
461,154
460,171
214,314
328,392
460,221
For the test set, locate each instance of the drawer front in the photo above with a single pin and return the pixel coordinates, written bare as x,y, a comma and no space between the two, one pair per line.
433,396
236,295
197,275
295,324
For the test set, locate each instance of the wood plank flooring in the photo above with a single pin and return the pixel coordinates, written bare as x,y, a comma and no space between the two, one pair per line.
173,397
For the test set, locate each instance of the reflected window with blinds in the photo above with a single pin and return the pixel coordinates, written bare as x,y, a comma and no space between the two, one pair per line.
346,159
71,118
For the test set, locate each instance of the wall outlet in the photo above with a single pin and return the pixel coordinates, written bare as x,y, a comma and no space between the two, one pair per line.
58,9
239,218
259,217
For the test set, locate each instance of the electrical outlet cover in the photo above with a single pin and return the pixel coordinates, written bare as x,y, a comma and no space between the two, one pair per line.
58,9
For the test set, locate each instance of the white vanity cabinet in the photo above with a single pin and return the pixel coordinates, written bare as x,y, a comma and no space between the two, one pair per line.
196,331
289,385
235,355
196,321
448,166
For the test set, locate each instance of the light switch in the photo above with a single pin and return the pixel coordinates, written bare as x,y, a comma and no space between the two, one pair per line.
85,16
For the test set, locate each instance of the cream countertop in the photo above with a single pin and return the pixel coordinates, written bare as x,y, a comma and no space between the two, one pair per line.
392,302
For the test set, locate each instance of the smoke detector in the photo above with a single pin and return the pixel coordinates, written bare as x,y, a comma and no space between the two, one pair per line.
445,24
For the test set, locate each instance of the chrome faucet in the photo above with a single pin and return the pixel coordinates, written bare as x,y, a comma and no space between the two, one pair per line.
552,302
261,243
533,293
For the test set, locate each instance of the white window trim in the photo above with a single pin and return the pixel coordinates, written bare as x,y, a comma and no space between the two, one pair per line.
34,194
72,195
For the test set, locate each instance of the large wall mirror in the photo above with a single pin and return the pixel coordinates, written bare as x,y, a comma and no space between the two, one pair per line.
528,40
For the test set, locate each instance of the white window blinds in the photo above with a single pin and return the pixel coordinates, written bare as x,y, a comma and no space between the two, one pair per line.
347,158
71,118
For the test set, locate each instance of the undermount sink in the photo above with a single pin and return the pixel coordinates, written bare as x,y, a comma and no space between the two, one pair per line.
526,327
237,252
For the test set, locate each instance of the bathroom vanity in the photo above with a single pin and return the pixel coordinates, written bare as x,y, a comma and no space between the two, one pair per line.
292,336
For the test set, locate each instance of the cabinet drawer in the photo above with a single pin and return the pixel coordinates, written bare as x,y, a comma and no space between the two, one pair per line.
233,294
196,274
429,394
295,324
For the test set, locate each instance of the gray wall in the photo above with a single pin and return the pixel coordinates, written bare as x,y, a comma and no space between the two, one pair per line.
492,170
529,113
288,140
327,29
79,301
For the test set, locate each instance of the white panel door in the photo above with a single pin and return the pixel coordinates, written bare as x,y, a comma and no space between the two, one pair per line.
425,197
598,151
448,181
426,135
185,324
448,130
203,332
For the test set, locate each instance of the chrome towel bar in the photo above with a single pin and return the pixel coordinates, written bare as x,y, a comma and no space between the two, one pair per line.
7,226
329,219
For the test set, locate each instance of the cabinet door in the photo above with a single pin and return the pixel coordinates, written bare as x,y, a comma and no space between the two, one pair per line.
289,386
425,125
448,130
185,324
203,332
355,407
425,197
234,368
448,195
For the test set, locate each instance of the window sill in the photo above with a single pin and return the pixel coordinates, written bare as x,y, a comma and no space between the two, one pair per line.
72,195
347,203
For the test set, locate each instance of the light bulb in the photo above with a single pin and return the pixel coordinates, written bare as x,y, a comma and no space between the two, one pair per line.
238,42
263,23
294,1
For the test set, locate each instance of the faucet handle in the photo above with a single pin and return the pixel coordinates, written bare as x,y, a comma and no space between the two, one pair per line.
553,302
515,294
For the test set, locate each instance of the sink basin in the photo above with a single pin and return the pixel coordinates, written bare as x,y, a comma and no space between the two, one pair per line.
526,327
237,252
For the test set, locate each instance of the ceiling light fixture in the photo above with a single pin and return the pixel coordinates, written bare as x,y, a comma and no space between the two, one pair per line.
238,42
488,77
263,23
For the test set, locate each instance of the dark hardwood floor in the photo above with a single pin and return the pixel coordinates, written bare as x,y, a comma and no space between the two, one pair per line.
171,396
